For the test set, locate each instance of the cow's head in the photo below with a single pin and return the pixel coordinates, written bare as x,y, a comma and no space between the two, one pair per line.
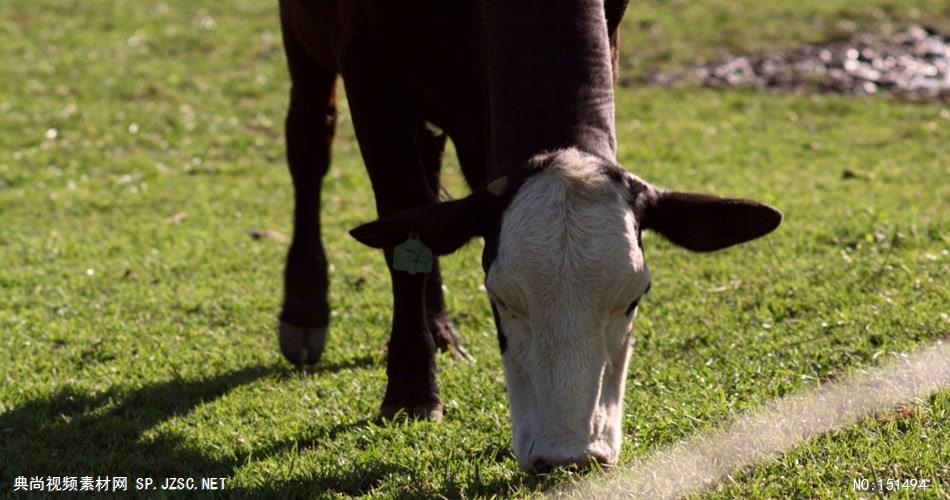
565,272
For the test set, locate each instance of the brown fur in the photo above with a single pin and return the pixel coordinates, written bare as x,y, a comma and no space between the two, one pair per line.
408,62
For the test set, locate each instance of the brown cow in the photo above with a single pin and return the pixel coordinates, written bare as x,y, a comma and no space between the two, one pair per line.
525,91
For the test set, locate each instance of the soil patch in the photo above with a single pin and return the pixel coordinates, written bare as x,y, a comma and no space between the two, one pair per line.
914,63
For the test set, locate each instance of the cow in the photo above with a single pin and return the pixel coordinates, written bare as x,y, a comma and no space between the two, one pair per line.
525,90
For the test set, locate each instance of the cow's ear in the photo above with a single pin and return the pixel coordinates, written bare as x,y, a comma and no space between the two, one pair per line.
705,223
443,227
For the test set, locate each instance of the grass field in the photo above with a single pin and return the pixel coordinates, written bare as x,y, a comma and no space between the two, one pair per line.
141,142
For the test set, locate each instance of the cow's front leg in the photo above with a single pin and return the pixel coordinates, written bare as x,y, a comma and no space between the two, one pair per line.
384,121
412,387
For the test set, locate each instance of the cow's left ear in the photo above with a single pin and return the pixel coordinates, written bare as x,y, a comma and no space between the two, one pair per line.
443,227
705,223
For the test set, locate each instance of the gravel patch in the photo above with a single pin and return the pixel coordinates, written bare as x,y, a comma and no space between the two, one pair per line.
914,63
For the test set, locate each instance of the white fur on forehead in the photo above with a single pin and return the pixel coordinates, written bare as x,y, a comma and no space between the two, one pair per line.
580,174
573,219
571,201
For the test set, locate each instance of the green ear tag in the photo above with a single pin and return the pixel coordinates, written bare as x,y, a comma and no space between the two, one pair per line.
412,256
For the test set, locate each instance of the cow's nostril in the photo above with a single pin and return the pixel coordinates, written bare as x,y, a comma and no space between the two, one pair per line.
581,463
602,460
542,465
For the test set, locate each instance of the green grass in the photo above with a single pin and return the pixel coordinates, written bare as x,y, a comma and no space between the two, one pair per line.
130,345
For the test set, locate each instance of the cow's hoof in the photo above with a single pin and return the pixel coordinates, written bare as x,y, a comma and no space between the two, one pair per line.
301,345
431,412
446,336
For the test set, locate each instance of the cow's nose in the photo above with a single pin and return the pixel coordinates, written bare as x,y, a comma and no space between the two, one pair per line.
542,465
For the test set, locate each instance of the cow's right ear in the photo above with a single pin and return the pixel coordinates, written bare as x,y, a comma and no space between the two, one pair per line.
705,223
443,227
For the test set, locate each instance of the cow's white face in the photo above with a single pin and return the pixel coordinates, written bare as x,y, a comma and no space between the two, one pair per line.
565,272
565,283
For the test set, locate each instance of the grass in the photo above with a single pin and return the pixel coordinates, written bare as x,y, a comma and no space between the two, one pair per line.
142,142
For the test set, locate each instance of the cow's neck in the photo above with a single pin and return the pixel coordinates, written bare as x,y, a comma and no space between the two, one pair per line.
549,79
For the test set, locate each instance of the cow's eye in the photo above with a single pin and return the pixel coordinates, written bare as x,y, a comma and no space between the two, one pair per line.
498,302
633,305
502,306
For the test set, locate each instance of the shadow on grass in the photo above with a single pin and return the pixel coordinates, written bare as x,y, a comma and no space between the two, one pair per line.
72,432
358,362
75,433
362,479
